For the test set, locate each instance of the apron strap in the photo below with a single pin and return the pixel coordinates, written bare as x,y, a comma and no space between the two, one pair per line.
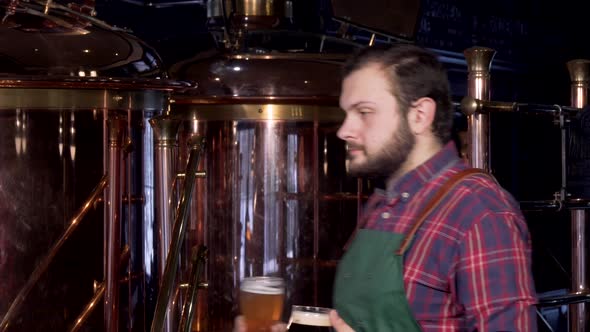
433,203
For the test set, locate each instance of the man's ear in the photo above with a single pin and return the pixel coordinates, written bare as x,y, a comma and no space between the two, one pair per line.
421,115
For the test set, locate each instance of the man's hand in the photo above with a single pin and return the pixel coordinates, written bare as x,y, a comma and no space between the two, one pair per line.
241,326
338,323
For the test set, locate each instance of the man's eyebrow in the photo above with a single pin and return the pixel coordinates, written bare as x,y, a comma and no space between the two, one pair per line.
361,104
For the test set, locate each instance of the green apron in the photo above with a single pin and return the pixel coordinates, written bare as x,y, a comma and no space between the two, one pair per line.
369,292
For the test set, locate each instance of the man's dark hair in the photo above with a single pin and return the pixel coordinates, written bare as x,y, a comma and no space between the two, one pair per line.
413,73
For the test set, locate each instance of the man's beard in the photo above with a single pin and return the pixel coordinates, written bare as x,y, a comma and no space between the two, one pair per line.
390,158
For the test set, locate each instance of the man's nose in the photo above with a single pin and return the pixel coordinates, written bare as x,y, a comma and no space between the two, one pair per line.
346,130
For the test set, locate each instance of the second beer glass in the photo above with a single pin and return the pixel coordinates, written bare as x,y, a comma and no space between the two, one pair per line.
261,301
309,319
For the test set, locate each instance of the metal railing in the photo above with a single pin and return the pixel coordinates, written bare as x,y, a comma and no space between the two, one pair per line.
46,261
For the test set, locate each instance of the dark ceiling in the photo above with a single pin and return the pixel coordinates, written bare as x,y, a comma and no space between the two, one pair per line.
538,37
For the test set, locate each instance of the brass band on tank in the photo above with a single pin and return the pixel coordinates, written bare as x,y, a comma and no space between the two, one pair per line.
98,98
255,112
479,60
579,71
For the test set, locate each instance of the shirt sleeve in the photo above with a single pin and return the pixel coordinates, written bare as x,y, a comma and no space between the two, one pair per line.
494,276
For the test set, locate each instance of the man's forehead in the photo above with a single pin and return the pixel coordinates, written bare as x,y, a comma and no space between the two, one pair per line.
363,85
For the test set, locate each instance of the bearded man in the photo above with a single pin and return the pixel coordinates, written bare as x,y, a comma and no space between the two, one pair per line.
443,247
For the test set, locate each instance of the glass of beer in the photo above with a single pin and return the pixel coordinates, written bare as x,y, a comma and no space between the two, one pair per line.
306,318
261,301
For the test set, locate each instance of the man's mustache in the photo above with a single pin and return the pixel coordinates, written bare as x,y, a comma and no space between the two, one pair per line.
351,146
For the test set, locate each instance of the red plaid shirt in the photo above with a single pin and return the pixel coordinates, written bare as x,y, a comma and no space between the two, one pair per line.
469,265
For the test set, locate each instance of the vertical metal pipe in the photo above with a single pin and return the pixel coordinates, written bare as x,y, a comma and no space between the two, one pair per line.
579,71
316,211
128,237
113,225
105,207
479,60
166,144
178,232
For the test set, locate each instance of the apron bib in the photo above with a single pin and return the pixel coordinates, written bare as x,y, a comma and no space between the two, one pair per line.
369,291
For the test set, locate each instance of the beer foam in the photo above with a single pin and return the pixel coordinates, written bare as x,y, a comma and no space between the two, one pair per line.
263,286
310,318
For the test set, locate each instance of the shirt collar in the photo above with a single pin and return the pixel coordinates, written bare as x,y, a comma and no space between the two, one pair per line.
415,179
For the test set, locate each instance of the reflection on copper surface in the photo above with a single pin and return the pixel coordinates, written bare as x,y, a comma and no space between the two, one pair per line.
72,137
20,139
60,137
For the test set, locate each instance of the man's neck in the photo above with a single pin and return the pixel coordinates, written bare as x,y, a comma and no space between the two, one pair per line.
421,153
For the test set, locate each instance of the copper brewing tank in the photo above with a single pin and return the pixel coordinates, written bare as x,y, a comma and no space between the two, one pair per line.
277,199
75,97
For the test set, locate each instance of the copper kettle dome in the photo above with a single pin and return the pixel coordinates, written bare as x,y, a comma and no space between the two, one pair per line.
53,40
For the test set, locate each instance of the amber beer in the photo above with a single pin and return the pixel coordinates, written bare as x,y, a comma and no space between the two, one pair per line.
261,301
309,319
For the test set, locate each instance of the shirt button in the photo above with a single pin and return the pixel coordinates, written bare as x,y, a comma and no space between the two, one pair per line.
385,215
405,196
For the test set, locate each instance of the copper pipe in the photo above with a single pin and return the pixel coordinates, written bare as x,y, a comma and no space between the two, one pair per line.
98,294
579,71
555,205
165,136
479,60
470,106
113,225
44,264
316,213
199,260
180,223
566,299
